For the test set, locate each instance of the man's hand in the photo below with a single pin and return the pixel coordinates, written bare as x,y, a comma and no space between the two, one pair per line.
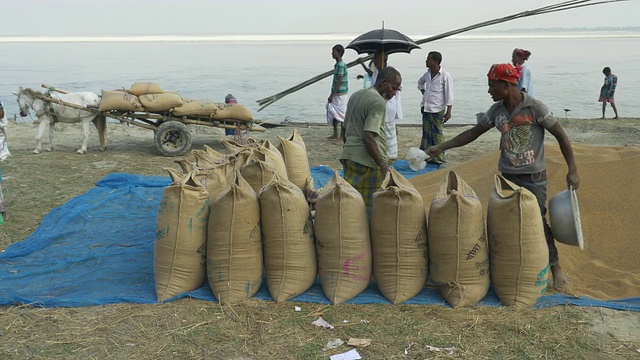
433,151
573,180
447,116
330,98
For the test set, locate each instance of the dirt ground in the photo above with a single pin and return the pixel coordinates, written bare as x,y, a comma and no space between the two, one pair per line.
35,184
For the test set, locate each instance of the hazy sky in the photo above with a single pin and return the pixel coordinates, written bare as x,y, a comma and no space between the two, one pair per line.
417,17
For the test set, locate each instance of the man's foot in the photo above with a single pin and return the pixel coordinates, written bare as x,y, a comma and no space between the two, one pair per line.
615,117
559,280
332,137
602,117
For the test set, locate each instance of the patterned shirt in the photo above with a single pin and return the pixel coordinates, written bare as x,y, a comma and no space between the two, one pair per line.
609,87
340,69
522,140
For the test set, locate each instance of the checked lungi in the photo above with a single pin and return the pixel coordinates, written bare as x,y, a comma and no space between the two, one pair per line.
432,132
366,180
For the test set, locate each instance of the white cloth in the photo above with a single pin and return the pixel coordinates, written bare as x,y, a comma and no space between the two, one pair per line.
525,80
438,92
337,108
4,148
394,112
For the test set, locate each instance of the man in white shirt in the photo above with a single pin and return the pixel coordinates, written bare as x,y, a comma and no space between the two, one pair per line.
394,105
518,58
436,86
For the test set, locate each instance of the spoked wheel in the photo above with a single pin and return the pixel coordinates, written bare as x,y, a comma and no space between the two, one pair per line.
173,138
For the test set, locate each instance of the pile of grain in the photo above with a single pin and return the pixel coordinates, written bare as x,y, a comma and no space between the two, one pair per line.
609,205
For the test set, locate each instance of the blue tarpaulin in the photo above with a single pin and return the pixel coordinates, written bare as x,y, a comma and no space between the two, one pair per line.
98,249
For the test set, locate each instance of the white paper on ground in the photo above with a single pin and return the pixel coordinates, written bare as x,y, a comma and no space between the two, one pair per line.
349,355
333,344
359,343
321,323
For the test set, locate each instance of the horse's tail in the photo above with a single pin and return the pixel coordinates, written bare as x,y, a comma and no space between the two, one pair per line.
100,121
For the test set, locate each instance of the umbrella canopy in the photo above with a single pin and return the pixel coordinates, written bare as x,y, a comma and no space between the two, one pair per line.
388,40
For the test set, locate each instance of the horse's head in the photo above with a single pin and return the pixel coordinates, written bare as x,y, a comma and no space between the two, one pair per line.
25,100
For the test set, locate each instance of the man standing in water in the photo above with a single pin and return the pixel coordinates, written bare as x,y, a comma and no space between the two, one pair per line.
522,120
436,86
364,154
607,91
337,102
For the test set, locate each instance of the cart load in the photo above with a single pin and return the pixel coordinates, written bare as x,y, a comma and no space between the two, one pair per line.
150,97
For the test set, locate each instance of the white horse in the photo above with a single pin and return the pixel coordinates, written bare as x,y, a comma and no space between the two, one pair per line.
49,113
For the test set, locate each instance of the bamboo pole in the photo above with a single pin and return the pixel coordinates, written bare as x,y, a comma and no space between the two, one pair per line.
565,5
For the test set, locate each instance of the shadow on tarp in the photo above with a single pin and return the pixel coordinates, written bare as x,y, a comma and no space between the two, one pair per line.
98,249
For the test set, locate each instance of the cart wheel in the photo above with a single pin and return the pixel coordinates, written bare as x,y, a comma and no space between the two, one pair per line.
173,138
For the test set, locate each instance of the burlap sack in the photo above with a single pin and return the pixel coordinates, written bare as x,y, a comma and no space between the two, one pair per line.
181,234
234,245
119,100
258,171
267,148
287,228
232,146
186,165
196,108
343,242
160,102
294,153
398,239
458,249
232,112
517,247
218,178
143,88
207,160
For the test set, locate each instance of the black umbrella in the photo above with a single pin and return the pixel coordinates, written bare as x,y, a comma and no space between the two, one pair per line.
387,40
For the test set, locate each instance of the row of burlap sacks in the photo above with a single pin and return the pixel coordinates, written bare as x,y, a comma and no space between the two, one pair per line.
259,200
150,97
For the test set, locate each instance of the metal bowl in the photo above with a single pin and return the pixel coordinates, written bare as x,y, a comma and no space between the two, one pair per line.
564,214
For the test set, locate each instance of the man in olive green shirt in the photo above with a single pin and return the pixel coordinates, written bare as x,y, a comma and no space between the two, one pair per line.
364,153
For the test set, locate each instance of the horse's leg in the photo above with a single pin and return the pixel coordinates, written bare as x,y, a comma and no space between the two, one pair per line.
101,124
85,136
43,121
52,129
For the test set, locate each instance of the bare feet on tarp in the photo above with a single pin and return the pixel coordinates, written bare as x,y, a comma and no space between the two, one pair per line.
559,279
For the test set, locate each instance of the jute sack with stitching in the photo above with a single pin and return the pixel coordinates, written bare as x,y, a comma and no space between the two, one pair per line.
233,112
289,252
517,247
267,148
196,108
160,102
259,171
399,239
343,242
143,88
218,178
181,235
234,244
119,100
294,153
458,249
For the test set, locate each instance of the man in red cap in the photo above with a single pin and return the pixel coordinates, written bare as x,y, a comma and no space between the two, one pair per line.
522,120
518,57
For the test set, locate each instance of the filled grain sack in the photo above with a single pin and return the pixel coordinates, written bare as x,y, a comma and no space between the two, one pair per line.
160,102
231,146
258,171
143,88
232,112
186,165
234,244
458,249
181,234
267,148
294,153
119,100
343,243
398,239
287,229
196,108
217,178
206,159
517,247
